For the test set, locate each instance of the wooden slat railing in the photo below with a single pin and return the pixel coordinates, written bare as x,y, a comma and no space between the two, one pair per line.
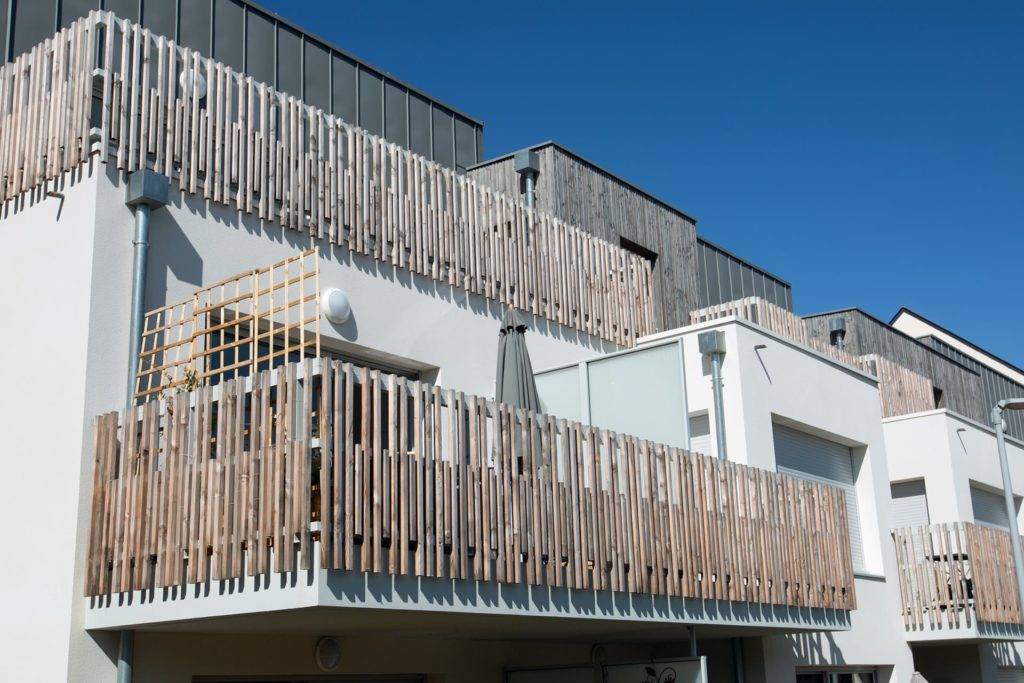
362,471
901,390
953,574
251,148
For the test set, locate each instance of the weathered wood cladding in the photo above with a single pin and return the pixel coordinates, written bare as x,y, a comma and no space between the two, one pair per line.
950,575
580,193
246,145
995,385
962,390
406,478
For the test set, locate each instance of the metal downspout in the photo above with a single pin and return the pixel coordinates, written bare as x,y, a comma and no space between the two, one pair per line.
125,655
141,245
716,390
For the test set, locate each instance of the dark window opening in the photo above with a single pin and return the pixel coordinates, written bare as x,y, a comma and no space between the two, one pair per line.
641,251
939,396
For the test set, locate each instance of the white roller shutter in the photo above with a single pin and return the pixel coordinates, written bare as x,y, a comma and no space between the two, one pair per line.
989,508
909,504
700,434
815,459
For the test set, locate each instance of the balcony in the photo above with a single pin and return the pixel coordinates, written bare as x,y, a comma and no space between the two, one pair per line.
957,581
109,87
341,474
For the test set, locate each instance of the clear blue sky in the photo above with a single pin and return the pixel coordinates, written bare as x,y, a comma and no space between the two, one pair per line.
868,152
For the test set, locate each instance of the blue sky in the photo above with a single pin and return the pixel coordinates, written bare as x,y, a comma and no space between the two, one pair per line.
870,153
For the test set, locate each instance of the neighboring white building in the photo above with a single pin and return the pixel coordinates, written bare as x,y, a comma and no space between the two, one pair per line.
345,501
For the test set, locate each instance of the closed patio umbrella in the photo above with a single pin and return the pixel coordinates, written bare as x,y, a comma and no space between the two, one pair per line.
515,384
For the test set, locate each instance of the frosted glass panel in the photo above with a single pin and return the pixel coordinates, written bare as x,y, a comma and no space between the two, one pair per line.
640,393
559,392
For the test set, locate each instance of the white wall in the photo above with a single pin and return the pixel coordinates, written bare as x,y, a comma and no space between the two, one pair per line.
950,452
767,380
47,269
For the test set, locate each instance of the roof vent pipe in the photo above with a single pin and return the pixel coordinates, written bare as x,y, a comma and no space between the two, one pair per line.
837,332
146,191
527,164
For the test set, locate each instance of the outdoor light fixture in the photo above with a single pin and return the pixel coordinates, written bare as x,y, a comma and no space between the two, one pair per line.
188,77
335,306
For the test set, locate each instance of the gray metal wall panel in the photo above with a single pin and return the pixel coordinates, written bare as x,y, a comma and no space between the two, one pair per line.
724,284
289,61
73,9
34,21
465,144
371,102
444,137
124,9
396,112
194,25
160,17
724,277
316,73
259,47
419,125
268,49
228,19
343,73
4,10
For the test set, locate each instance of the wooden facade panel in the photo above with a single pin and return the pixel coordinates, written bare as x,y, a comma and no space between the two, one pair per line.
603,205
962,389
246,145
404,478
955,575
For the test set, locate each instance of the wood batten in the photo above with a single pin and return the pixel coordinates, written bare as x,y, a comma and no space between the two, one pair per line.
954,575
246,322
244,145
328,462
901,390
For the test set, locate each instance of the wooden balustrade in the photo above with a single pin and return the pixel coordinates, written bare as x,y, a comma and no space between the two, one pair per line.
901,390
953,574
363,471
249,147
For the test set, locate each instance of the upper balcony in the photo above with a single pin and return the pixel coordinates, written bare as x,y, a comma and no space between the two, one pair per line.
325,485
109,89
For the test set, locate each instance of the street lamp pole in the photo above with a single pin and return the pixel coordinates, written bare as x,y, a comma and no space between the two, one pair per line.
1011,511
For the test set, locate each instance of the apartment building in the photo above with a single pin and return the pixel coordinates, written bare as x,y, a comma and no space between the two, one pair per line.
300,472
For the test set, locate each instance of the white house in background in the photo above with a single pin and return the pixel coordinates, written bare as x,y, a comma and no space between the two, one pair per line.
300,487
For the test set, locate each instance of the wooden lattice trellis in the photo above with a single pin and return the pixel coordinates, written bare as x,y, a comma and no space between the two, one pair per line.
248,322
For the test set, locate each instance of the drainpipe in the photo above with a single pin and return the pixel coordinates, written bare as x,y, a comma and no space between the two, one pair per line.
739,675
125,655
837,332
146,191
1011,509
712,344
527,164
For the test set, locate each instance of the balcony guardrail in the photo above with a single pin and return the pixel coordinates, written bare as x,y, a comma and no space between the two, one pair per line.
249,147
955,573
901,390
367,472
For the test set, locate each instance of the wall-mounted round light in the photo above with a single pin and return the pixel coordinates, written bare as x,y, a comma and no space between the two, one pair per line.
328,653
189,76
335,306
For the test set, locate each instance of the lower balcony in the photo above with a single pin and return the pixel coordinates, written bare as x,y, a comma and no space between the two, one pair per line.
957,582
324,492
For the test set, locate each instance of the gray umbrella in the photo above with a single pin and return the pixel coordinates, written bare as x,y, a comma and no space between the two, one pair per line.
515,383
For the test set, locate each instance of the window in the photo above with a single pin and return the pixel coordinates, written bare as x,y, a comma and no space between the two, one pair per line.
637,249
909,504
700,434
836,677
989,507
